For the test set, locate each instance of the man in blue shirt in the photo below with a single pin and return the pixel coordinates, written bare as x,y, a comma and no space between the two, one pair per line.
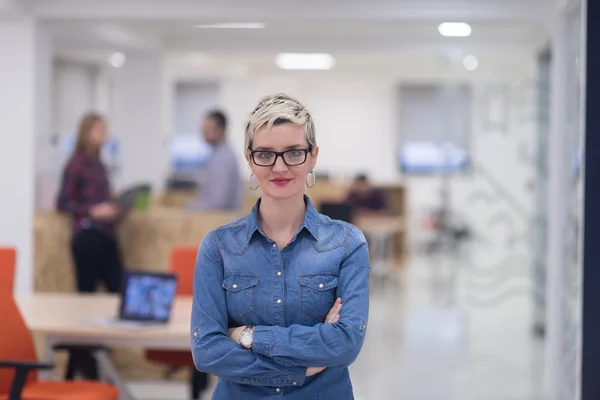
220,184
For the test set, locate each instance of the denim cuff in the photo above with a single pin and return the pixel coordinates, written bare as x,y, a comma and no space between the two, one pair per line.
297,375
262,340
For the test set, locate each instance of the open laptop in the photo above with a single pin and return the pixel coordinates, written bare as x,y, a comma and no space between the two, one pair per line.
147,297
127,198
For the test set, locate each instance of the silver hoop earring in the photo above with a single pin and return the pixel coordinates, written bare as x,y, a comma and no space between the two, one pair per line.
250,182
311,178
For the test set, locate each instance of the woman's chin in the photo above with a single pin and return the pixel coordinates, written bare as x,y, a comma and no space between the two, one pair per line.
281,192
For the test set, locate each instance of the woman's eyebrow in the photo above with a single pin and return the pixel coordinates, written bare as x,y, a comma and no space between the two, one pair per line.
291,147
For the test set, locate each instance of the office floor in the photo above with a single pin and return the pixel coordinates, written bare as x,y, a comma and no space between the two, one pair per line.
436,333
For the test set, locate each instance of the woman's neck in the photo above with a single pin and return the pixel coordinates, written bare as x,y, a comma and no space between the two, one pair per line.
281,219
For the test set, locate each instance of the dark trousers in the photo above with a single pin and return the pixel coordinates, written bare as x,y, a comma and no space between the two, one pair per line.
97,260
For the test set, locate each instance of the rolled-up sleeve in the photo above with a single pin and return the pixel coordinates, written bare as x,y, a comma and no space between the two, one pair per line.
212,350
327,345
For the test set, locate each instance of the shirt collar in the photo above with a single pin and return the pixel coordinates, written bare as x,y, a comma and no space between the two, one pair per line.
310,223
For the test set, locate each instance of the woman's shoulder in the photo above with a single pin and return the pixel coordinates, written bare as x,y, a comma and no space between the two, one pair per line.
77,160
232,233
329,228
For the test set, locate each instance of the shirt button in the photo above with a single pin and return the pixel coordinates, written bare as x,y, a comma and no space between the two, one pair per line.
274,244
294,383
234,286
278,301
321,285
278,390
195,333
279,273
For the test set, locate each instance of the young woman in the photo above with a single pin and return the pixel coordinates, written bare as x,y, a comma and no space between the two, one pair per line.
85,194
267,315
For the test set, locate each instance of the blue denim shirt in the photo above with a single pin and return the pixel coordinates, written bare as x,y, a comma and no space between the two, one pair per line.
242,278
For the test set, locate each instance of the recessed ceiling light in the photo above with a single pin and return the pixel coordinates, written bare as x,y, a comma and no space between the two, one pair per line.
117,60
471,63
305,61
455,29
233,25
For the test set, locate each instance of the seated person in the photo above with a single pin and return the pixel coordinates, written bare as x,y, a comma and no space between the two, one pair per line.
364,198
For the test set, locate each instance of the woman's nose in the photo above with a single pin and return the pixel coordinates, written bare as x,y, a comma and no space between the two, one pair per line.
279,165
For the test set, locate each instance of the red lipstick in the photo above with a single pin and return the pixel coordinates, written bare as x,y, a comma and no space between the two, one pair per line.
281,181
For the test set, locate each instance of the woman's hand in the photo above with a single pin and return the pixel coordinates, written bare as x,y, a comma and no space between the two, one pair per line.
234,333
104,211
310,371
333,315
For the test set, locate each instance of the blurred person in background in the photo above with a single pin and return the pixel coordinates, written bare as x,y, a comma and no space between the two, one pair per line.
220,185
364,198
267,314
85,195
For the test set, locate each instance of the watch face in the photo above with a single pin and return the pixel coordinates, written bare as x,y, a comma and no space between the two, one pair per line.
245,339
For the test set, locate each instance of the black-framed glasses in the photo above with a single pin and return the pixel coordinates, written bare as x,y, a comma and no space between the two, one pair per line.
291,158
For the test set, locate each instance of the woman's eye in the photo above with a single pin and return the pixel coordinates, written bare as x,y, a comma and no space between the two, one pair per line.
295,153
265,156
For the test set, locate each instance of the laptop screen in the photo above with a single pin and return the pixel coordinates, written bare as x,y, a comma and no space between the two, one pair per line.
148,296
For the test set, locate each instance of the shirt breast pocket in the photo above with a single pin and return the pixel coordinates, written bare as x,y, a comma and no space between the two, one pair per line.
317,294
241,295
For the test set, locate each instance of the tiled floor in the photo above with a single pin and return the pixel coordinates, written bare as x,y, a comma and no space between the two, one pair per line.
437,334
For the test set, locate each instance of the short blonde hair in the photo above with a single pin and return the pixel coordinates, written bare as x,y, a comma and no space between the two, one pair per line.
279,108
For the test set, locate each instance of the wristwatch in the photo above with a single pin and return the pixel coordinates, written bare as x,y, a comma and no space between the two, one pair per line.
247,337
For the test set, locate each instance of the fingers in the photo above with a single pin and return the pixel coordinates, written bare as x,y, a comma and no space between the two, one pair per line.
333,315
310,371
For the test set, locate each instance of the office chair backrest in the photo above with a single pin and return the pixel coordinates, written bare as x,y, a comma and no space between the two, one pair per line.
16,343
8,261
183,263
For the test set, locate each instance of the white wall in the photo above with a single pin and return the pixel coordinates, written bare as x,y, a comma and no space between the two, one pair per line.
136,120
76,88
192,102
74,94
24,76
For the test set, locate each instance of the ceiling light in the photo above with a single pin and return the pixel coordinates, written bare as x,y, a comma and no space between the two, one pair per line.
471,63
455,29
305,61
117,60
233,25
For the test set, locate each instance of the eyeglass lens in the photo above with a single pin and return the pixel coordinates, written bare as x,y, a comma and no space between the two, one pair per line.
290,157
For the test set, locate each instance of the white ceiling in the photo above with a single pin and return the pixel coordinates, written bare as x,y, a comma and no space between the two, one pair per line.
336,26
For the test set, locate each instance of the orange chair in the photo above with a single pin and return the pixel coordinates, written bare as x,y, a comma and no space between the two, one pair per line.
8,261
18,365
182,263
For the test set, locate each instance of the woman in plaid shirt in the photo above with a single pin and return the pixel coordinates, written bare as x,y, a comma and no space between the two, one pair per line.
85,195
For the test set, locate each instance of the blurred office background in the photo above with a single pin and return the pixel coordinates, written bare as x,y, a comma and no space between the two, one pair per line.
474,128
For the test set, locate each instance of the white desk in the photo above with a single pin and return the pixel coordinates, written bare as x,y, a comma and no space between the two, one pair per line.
76,319
380,229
